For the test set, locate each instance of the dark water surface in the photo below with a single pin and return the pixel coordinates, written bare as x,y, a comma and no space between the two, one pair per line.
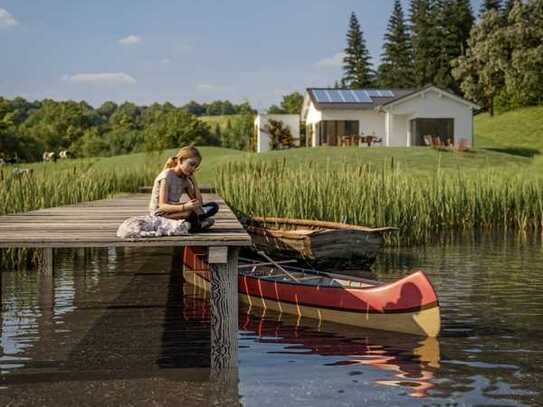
113,328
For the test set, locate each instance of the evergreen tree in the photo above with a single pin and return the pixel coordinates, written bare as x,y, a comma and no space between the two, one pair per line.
396,69
507,7
464,22
357,65
454,21
425,38
488,5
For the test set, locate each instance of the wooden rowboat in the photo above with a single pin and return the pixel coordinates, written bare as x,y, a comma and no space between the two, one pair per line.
323,244
408,305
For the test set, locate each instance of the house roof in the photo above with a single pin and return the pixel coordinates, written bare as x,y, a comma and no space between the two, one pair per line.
353,98
447,92
370,99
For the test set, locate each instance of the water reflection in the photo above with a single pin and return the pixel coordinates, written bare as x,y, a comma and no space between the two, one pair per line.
410,361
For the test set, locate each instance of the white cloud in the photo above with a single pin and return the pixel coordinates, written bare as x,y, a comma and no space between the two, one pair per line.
131,40
6,19
100,78
165,61
208,87
332,62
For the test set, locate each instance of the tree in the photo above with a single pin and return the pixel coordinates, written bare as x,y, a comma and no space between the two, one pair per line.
174,129
523,75
357,65
425,38
488,5
481,70
397,69
280,135
107,109
291,103
237,133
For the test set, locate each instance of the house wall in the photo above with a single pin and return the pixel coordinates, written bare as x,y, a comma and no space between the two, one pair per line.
292,121
431,105
399,136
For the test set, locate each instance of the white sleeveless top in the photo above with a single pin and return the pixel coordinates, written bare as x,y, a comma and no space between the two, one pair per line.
176,187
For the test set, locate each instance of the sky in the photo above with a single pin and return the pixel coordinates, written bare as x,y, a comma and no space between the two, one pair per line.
164,50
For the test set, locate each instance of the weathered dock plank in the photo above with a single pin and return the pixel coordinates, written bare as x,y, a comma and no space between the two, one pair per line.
93,224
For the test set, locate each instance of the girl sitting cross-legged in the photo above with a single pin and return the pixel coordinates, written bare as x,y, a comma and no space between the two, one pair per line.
177,178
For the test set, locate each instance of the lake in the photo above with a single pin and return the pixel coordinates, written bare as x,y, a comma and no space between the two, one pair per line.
117,326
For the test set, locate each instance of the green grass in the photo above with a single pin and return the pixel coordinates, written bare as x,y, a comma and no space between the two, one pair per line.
517,132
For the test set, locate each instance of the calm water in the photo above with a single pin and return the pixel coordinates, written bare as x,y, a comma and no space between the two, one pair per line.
115,328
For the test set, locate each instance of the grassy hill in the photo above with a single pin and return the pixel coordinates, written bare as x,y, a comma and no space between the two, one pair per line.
517,132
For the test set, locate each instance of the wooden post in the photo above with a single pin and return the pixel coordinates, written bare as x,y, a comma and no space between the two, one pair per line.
46,261
224,307
224,326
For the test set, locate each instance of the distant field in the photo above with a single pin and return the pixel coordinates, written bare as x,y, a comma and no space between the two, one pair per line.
222,120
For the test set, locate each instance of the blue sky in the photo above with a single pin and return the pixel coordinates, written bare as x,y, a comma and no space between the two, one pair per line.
163,50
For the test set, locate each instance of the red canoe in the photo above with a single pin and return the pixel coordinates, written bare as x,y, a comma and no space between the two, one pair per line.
407,305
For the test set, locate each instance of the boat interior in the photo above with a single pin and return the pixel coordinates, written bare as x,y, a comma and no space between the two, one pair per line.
282,271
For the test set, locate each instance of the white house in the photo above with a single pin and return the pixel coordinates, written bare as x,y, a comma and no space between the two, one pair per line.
262,121
395,117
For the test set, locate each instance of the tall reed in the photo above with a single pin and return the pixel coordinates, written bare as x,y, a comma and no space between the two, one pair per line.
369,195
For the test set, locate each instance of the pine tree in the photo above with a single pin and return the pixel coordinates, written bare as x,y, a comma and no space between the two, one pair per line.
397,69
357,65
488,5
507,7
425,40
464,22
454,21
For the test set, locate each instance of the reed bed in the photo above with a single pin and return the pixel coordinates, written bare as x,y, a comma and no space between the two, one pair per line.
420,206
51,185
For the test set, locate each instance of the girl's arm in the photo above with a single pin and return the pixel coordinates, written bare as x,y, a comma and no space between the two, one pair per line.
195,189
163,204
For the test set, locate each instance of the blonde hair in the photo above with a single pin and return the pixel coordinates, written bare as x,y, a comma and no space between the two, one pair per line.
184,153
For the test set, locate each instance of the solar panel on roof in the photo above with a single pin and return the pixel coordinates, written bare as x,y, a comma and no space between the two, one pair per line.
361,96
348,95
386,93
373,92
321,96
334,96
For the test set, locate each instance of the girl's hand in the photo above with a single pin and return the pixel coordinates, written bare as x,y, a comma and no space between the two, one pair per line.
192,205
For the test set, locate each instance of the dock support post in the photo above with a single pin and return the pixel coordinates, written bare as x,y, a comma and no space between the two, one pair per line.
46,261
224,307
224,326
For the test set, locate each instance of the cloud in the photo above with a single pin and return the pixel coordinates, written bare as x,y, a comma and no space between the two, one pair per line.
207,87
332,62
100,78
6,19
165,61
131,40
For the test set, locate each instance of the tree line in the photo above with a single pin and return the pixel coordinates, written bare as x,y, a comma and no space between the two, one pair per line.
496,61
28,129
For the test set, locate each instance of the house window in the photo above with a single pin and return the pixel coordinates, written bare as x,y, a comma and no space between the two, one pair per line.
351,127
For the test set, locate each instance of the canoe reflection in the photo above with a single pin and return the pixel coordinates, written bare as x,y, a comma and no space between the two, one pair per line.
410,360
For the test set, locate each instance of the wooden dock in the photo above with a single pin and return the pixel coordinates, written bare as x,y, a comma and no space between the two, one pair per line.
94,224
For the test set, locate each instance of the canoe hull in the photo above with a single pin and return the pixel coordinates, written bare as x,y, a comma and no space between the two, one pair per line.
408,305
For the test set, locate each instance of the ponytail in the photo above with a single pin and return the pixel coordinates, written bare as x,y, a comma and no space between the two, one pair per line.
185,152
172,162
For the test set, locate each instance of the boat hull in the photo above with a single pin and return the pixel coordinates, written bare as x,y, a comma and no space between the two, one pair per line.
408,305
332,248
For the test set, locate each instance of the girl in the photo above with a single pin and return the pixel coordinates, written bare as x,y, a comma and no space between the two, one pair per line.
176,178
